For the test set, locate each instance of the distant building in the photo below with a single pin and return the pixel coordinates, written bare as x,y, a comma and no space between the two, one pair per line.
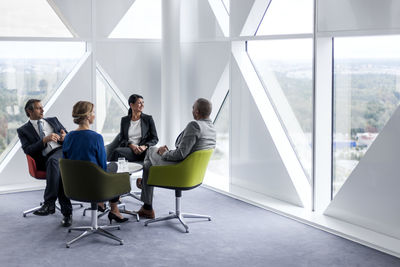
365,139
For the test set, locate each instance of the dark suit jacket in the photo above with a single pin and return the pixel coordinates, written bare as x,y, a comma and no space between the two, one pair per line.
149,132
31,142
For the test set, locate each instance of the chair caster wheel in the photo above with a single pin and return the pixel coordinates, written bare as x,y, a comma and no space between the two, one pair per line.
67,246
209,219
69,230
24,215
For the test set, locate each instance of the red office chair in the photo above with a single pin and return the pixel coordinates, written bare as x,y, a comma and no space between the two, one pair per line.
40,175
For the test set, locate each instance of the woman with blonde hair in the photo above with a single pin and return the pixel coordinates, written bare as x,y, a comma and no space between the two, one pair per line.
85,144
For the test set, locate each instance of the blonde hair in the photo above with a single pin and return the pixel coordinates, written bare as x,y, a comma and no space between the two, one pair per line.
81,111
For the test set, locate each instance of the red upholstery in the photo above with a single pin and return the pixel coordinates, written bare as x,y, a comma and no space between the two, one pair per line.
32,169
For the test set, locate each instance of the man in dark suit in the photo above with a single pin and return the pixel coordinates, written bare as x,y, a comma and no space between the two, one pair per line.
42,138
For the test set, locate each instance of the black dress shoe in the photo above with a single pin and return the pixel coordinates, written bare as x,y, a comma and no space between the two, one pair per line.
67,221
46,209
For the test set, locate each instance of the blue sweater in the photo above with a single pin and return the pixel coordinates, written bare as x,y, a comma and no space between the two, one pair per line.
85,145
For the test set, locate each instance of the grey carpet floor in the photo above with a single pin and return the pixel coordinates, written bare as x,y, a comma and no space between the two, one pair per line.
238,235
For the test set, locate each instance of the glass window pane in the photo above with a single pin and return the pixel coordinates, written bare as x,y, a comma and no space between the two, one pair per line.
109,109
143,20
30,70
30,18
218,168
287,17
366,94
285,68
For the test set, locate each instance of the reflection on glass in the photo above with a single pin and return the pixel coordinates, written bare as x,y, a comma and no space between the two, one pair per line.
218,168
366,93
287,17
30,70
143,20
285,68
34,18
109,109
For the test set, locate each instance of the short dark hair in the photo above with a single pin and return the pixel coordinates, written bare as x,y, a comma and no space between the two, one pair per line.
30,105
204,107
132,99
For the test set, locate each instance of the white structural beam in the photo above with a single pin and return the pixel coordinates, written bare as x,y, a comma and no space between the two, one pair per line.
271,120
221,14
370,196
220,92
255,17
323,125
170,72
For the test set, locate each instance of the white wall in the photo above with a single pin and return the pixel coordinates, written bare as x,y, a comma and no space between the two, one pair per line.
202,65
135,68
255,162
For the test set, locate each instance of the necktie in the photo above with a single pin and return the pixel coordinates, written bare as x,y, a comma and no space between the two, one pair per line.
40,127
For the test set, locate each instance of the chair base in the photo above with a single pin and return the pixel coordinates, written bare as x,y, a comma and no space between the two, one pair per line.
178,215
130,212
89,230
121,207
94,229
40,205
135,195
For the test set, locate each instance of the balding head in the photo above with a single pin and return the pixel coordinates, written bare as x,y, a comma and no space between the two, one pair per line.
202,109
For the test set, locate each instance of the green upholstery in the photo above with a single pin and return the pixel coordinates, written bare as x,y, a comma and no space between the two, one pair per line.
187,174
87,182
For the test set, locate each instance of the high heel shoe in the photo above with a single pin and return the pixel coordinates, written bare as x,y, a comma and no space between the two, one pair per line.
101,209
112,216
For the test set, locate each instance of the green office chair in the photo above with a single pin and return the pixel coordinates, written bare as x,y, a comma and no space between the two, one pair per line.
87,182
185,175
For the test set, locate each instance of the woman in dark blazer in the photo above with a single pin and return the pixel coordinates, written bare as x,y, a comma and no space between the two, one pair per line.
138,132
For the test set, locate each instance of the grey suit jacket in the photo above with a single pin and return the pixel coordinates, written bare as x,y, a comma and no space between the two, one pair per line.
198,135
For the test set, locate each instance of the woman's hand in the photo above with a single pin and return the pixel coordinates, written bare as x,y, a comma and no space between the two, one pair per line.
142,148
135,149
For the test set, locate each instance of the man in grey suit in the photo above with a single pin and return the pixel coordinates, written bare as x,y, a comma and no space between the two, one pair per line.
199,134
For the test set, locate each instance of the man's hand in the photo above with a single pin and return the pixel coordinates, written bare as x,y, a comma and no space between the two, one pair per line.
51,137
162,150
63,134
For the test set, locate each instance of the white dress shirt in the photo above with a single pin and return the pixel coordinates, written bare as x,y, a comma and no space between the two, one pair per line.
47,129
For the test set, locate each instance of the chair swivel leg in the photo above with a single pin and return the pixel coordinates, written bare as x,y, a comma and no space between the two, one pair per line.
178,214
31,210
94,229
